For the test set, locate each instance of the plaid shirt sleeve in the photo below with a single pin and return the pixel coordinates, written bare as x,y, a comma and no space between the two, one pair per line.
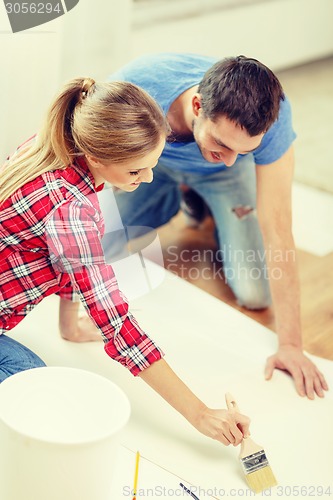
75,249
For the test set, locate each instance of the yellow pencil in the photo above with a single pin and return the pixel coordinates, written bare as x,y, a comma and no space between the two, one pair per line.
136,475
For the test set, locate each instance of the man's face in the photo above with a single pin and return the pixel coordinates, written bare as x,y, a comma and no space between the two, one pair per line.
222,140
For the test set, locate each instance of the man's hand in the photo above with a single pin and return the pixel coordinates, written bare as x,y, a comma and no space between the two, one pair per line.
308,379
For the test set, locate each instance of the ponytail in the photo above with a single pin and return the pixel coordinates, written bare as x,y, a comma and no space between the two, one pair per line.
113,122
58,128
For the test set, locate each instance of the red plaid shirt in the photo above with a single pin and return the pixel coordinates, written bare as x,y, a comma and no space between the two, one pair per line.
50,242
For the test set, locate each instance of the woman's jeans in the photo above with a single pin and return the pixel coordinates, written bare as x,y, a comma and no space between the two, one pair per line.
231,198
15,357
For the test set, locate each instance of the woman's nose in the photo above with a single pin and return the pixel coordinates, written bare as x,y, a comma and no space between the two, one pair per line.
146,175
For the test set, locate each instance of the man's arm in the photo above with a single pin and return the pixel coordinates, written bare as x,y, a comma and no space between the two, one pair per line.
274,184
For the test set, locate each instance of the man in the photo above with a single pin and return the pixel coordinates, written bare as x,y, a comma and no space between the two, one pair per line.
231,142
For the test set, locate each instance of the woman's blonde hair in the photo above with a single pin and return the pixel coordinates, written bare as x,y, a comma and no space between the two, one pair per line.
112,122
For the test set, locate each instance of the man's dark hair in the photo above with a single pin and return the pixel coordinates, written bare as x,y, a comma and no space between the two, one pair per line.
243,90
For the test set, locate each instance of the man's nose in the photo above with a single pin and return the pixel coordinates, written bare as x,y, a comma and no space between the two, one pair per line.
229,158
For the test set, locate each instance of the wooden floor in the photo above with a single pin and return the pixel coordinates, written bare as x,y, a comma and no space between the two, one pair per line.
316,275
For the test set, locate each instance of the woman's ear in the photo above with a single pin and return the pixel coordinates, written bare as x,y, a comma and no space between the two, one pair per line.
196,104
93,162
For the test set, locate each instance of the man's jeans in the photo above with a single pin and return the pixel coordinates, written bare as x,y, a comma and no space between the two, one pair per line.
231,197
15,357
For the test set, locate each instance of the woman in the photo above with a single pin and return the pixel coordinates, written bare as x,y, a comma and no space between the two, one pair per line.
52,227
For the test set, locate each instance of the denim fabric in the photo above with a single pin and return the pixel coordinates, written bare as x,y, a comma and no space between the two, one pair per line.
15,357
239,238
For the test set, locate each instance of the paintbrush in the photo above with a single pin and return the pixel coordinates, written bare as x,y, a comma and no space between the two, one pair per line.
258,473
136,475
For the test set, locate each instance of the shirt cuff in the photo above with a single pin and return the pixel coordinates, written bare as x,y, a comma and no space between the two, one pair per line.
137,357
67,292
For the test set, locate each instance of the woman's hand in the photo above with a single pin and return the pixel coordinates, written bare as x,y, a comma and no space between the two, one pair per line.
226,426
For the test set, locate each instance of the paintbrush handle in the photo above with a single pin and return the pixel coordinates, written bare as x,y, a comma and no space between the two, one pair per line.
248,446
231,402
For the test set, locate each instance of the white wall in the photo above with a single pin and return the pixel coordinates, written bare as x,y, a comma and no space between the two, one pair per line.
280,33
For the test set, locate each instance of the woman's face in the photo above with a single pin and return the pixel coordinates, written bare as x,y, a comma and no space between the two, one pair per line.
127,175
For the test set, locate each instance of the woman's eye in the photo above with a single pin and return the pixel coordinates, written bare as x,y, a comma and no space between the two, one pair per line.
136,172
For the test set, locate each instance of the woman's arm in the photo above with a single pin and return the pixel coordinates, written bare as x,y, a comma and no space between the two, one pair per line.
222,425
226,426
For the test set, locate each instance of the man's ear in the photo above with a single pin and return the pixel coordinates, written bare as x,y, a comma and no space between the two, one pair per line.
196,104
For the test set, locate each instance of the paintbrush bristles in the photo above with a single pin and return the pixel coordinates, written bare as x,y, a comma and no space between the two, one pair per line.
258,473
261,479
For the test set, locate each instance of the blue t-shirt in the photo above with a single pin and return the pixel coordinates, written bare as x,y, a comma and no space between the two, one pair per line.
165,76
